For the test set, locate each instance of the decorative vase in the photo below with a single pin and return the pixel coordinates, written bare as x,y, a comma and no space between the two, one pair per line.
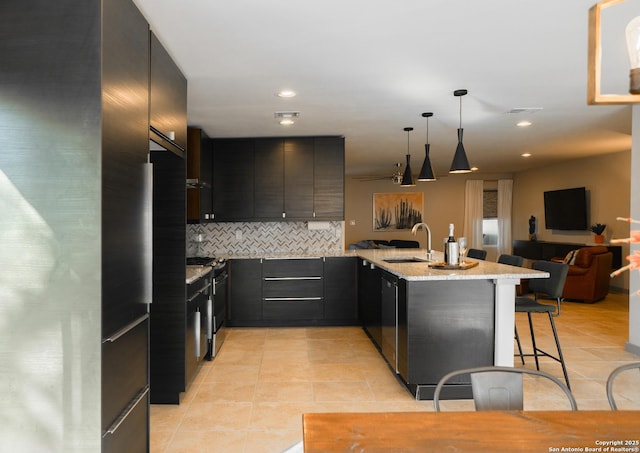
599,238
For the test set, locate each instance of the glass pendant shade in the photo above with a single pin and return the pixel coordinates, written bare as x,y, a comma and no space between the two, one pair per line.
460,162
632,34
426,173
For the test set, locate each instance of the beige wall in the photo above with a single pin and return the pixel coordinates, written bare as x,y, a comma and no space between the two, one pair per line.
606,178
443,204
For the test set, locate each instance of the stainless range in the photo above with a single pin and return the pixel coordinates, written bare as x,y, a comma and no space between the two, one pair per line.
216,313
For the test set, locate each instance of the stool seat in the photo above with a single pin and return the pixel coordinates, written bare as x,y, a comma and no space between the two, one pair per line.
526,304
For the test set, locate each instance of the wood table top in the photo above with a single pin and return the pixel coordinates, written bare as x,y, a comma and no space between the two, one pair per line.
487,431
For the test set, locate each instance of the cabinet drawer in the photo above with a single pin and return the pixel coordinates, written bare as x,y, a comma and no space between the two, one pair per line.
299,267
294,309
307,287
124,370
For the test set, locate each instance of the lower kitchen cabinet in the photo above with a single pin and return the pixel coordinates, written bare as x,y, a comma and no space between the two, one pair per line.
340,290
293,292
245,292
369,300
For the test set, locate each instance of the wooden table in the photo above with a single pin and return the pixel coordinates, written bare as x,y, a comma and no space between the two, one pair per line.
517,431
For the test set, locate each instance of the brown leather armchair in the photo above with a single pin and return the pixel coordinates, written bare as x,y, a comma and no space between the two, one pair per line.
588,278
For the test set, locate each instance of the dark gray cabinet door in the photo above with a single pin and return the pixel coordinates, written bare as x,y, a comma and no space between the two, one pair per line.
233,180
125,195
125,145
168,106
328,180
268,166
340,290
245,292
298,178
369,300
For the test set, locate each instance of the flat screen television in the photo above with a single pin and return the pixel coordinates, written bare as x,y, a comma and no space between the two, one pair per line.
566,209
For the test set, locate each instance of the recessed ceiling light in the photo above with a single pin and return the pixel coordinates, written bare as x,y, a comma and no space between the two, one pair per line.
286,94
526,154
474,168
287,122
523,123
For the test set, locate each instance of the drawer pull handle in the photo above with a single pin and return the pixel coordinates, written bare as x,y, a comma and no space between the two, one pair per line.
277,279
116,424
129,327
291,298
200,291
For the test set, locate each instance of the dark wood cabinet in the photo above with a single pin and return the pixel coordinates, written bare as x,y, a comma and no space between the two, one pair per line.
328,178
233,180
293,292
268,166
369,300
168,102
340,283
199,176
298,178
168,310
443,326
245,292
271,179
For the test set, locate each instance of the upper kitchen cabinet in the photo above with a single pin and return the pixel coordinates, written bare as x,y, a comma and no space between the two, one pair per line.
168,102
328,178
233,180
269,178
297,179
199,176
283,177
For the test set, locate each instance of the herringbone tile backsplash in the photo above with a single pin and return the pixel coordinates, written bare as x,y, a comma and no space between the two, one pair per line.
263,238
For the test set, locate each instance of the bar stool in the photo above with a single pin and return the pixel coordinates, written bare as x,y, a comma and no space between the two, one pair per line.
551,287
477,254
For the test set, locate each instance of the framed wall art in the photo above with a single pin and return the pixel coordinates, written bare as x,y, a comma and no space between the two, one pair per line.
396,211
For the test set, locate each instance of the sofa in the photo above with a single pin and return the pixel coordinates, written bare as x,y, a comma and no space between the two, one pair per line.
588,277
381,244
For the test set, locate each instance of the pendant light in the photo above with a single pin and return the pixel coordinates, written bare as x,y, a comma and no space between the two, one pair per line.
426,173
407,179
460,163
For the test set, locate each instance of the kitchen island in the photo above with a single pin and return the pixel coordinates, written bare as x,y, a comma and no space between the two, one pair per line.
428,321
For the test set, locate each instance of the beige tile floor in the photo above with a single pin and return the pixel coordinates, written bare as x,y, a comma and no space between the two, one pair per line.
252,396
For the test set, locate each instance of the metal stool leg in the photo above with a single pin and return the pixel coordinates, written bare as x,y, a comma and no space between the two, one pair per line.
533,341
519,345
560,356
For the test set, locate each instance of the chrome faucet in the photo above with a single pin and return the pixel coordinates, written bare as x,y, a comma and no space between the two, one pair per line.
415,229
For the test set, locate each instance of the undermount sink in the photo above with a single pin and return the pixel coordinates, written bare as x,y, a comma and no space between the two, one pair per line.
412,259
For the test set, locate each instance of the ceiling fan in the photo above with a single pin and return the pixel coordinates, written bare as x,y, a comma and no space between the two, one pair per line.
395,178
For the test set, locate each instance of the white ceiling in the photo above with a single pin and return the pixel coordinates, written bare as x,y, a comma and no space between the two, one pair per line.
366,69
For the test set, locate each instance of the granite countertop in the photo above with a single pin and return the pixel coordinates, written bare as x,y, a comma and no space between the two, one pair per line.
422,270
194,272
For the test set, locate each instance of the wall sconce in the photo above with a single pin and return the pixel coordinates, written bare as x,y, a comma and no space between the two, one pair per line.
594,68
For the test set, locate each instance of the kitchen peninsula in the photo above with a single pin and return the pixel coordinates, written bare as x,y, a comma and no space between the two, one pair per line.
428,321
